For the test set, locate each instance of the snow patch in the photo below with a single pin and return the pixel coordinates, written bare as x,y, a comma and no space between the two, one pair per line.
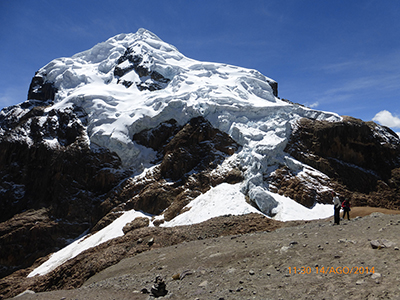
224,199
289,210
112,231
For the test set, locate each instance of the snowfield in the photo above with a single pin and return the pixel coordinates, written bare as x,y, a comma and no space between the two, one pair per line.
238,101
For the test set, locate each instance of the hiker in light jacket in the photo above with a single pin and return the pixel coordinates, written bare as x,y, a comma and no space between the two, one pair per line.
336,206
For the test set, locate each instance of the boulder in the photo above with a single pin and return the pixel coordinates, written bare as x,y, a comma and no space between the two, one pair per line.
138,222
159,287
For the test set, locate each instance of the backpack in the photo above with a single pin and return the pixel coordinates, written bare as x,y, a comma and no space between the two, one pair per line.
346,204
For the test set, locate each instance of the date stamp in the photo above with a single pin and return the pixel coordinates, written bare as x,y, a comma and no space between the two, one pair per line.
306,270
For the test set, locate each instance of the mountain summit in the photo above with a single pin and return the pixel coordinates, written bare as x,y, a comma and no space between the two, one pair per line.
134,82
132,125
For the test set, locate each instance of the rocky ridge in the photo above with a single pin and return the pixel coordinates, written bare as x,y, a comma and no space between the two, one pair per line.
362,163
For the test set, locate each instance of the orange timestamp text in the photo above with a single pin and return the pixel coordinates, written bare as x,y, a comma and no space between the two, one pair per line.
331,270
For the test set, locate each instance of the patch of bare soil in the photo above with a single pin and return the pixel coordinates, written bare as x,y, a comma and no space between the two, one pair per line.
359,259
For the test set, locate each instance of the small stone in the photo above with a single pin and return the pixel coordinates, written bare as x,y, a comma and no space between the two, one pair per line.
204,283
251,272
387,243
150,242
284,249
361,281
376,276
375,244
379,244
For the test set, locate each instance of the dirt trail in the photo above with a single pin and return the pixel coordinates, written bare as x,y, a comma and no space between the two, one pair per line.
301,262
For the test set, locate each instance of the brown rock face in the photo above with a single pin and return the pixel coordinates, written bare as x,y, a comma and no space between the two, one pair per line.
31,235
285,182
47,194
197,146
361,158
157,137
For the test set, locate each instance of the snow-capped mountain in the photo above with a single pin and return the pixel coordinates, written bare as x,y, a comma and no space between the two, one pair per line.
134,82
134,125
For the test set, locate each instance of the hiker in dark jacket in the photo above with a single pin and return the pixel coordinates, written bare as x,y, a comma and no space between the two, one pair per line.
346,208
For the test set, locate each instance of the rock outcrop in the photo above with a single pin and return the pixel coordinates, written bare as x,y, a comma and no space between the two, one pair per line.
361,159
143,77
50,182
40,89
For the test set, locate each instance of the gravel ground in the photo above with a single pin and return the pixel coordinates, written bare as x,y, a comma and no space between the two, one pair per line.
316,260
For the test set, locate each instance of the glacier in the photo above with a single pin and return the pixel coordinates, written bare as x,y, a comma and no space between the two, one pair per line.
135,81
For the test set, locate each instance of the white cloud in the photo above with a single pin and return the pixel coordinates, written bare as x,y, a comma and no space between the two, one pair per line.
314,105
386,118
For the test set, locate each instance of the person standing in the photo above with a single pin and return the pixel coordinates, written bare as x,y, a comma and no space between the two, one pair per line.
336,206
346,208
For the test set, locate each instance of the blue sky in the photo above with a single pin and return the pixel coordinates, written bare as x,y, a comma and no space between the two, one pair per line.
340,56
